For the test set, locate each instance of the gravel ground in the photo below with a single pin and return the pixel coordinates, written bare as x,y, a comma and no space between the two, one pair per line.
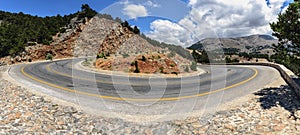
268,111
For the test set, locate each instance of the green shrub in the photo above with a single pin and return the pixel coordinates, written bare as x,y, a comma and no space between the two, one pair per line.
144,58
125,55
158,57
171,54
101,55
62,30
194,66
187,69
132,63
172,65
228,60
49,56
161,70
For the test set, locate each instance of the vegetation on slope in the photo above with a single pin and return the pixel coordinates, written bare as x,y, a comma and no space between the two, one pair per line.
18,30
174,48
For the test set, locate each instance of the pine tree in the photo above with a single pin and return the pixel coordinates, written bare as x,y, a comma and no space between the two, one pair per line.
287,29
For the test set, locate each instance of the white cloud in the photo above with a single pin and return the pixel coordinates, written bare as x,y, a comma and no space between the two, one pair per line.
218,18
169,32
152,4
133,11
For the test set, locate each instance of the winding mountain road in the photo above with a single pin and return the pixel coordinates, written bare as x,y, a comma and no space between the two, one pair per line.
142,95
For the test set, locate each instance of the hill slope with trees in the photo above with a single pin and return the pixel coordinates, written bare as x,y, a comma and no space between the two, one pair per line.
18,30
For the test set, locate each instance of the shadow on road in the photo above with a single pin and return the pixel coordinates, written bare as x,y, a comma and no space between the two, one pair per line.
297,80
283,96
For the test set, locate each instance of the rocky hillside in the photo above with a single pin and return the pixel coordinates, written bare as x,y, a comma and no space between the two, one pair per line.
118,44
118,48
94,33
248,44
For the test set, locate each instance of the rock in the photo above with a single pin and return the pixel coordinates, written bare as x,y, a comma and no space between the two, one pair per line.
148,132
58,113
278,127
18,58
69,109
298,128
297,114
230,127
18,115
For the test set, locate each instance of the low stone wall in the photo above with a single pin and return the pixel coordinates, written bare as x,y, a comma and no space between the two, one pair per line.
288,77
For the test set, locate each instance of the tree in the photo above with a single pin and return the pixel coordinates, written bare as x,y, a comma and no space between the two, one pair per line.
194,66
136,30
119,20
125,24
144,58
196,56
287,29
86,11
136,67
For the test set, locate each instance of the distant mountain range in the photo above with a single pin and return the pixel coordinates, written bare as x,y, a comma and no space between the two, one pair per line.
248,44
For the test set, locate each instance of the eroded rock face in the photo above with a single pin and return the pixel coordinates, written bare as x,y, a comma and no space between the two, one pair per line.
114,40
93,35
58,51
137,45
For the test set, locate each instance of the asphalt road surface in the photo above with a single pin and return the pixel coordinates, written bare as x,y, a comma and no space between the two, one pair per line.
153,95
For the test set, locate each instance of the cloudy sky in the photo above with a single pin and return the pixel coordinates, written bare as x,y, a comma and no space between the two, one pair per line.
181,22
188,21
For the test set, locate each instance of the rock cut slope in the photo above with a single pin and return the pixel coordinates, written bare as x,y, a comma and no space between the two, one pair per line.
107,36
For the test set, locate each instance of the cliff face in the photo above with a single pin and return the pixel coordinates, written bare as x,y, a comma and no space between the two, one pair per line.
123,41
93,35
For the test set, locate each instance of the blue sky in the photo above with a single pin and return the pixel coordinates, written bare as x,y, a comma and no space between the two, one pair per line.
179,22
284,4
51,7
54,7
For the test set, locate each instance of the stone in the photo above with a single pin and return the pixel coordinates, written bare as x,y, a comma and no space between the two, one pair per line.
278,127
69,110
297,114
148,132
18,115
230,127
298,128
18,58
